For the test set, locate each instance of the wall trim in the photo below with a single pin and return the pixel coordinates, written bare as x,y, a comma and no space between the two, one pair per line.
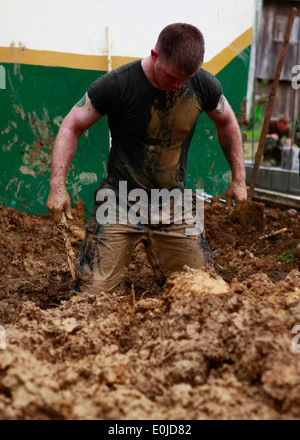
22,55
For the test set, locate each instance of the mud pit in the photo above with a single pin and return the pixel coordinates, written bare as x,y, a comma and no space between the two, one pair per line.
205,347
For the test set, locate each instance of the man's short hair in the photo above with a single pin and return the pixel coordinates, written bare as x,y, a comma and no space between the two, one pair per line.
181,45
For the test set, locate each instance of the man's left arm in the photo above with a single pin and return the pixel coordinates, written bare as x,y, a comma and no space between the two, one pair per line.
231,142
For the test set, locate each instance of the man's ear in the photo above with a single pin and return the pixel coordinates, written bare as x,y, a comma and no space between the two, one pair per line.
154,54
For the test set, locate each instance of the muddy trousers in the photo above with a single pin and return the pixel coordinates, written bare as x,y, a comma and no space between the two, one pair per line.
107,249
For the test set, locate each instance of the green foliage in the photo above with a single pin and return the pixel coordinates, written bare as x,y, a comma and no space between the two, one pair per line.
257,118
287,256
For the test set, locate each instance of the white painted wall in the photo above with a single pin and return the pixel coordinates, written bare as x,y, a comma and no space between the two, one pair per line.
79,26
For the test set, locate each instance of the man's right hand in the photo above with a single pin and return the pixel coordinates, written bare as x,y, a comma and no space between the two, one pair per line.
59,202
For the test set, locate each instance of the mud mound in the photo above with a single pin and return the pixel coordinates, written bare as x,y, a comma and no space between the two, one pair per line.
239,253
207,346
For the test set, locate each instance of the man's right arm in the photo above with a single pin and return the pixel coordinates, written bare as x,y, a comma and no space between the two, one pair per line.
82,116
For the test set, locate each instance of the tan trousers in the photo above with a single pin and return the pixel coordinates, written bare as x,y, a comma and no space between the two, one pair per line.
107,250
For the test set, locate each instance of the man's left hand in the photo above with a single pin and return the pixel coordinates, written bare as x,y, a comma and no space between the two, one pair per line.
237,191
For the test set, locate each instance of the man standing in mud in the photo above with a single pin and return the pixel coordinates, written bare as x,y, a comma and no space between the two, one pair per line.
152,107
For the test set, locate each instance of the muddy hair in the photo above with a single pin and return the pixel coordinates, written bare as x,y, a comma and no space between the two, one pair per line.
183,46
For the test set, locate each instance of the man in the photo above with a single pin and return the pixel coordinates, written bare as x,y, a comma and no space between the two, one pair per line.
152,107
278,129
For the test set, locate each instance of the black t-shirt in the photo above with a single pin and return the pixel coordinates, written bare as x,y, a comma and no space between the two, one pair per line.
151,129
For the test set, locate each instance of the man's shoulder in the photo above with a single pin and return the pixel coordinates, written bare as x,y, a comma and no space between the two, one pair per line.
114,77
204,74
208,87
203,78
130,66
105,93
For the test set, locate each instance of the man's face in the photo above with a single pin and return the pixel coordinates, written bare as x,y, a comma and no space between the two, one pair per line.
167,77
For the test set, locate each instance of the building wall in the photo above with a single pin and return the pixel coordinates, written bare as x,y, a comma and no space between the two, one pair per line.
50,52
272,31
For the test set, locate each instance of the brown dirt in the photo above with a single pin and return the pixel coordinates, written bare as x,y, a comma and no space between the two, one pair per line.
207,346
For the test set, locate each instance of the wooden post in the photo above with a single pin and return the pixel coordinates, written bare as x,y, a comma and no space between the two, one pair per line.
269,109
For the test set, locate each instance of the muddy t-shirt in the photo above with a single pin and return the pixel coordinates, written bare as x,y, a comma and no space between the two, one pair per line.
151,129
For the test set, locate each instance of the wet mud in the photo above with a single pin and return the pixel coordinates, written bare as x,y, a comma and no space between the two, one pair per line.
205,346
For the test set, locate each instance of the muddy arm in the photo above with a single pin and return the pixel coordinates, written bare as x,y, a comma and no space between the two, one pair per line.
231,142
79,119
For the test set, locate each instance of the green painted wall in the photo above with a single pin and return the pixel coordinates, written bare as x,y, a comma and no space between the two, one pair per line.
33,105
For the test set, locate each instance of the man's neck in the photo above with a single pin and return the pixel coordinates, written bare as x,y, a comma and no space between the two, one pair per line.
147,66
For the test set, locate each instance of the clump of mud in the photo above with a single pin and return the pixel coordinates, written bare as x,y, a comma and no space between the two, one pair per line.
206,346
